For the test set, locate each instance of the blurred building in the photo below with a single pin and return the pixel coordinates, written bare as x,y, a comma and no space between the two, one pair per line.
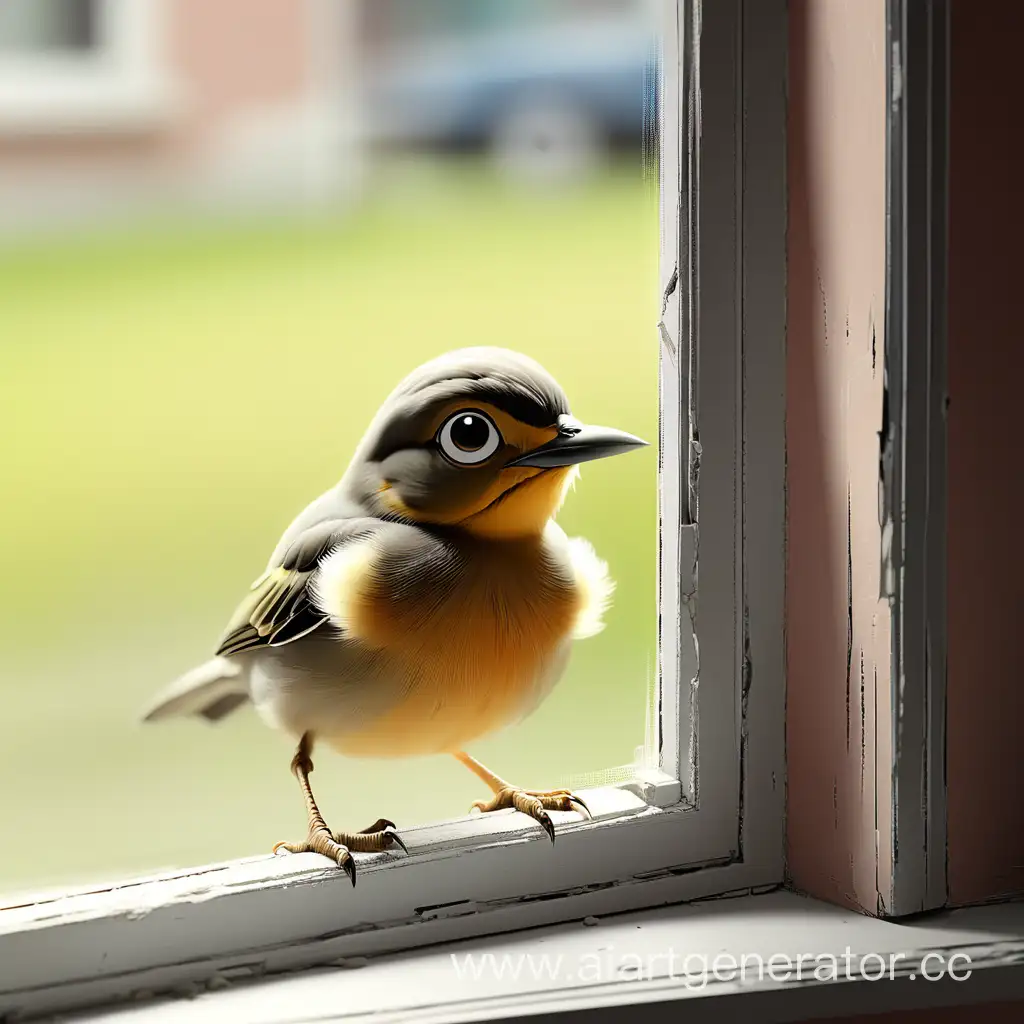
108,104
112,105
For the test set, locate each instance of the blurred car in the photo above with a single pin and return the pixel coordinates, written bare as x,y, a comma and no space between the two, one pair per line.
548,99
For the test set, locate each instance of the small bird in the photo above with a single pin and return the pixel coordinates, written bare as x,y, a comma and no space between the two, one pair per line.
427,599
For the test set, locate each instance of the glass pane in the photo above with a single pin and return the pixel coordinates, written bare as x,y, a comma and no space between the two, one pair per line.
179,380
42,26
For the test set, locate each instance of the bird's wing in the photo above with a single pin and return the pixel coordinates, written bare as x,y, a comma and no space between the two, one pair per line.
279,607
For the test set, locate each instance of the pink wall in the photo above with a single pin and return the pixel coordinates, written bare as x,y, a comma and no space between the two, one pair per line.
235,54
986,482
836,309
837,629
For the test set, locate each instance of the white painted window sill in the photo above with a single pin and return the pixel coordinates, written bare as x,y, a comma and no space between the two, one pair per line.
653,958
801,959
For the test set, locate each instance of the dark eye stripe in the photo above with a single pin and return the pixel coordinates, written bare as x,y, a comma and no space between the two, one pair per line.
520,406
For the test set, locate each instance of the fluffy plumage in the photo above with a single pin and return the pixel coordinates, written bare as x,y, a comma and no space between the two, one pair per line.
416,605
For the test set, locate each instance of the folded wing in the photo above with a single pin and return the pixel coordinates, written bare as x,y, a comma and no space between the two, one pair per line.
279,607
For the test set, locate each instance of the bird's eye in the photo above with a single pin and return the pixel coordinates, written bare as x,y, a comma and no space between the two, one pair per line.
468,438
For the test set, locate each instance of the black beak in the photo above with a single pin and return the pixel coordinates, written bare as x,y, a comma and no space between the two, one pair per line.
578,443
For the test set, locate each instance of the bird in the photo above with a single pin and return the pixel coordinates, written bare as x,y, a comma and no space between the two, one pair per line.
428,598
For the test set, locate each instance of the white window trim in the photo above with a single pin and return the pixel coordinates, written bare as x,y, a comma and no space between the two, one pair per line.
124,84
708,819
676,963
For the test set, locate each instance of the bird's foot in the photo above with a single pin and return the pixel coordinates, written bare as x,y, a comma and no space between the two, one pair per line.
534,802
339,846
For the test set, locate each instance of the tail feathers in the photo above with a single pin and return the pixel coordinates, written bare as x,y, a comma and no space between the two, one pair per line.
211,690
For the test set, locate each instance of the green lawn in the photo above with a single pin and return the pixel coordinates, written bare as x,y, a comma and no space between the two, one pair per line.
170,396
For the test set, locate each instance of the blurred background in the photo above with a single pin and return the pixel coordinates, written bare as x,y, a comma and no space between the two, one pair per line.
226,231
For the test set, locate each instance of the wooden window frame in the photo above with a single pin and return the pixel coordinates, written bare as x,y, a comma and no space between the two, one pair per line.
708,818
913,473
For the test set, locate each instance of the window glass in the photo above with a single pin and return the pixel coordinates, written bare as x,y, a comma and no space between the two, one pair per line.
180,378
44,26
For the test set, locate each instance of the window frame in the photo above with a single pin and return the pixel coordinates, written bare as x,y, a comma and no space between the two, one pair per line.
122,84
913,472
721,736
708,819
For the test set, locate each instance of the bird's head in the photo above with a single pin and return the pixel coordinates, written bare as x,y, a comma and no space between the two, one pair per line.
480,439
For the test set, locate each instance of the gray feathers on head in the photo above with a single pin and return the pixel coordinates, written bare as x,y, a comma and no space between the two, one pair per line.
508,380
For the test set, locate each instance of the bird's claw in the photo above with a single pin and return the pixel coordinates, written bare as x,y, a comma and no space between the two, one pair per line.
536,803
576,800
323,842
380,825
339,846
396,840
348,865
388,831
392,838
546,823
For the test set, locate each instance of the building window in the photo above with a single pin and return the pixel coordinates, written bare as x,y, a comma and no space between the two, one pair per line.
48,26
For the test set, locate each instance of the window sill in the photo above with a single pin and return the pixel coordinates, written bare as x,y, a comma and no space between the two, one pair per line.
474,876
81,101
652,958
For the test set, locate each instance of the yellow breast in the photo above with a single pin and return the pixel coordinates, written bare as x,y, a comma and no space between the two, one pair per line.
475,650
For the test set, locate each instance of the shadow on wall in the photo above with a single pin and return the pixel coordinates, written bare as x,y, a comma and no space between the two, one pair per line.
986,487
837,626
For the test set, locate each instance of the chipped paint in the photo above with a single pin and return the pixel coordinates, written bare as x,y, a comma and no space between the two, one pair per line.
988,952
666,336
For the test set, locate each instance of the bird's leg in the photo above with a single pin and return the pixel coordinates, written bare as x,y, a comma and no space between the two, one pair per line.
534,802
339,846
